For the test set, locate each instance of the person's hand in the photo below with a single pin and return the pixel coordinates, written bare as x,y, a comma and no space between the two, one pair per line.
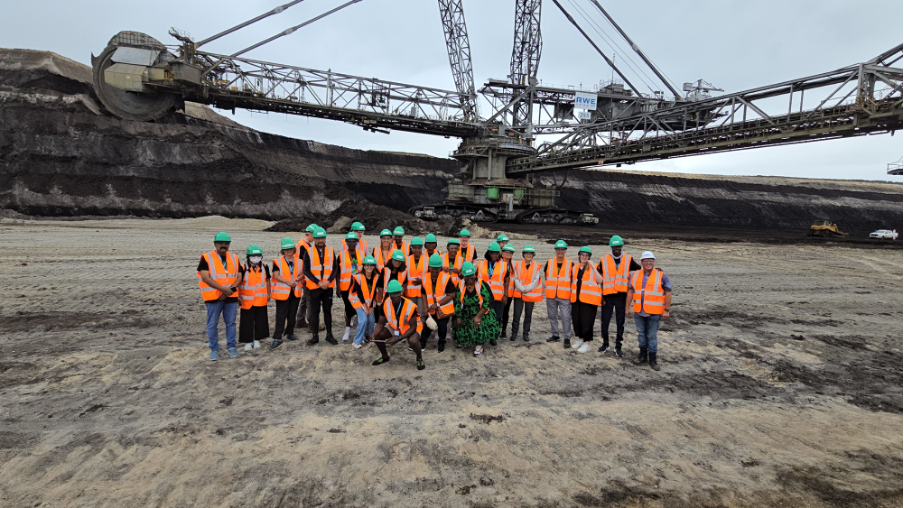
665,314
628,309
229,291
504,300
431,309
324,284
476,320
292,284
458,322
456,271
416,281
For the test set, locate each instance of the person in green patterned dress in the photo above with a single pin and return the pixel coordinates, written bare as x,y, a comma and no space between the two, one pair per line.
475,321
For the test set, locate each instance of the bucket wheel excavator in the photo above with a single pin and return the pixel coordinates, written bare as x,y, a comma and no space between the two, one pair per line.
505,168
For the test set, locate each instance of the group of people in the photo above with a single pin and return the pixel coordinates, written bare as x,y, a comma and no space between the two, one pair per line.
404,291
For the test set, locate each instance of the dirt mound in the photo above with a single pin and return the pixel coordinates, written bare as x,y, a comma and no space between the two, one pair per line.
374,217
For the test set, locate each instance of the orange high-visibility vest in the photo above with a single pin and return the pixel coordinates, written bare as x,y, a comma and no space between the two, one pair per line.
558,285
367,292
615,280
403,248
497,281
279,290
253,291
222,275
321,268
401,322
346,269
401,278
459,260
468,253
415,269
381,261
591,292
302,244
525,276
653,295
437,293
478,286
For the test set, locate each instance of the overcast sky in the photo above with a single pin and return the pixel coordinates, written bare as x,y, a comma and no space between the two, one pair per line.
734,45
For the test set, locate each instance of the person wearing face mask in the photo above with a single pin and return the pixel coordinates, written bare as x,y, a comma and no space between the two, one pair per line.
254,294
219,272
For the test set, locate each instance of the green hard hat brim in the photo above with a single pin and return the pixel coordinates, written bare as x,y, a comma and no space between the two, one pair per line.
464,232
357,226
222,237
454,241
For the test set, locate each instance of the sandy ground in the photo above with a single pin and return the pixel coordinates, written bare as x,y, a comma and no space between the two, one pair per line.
780,386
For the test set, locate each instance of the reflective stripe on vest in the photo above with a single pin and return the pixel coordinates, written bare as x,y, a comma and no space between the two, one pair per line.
558,285
459,260
615,280
468,253
381,261
497,281
408,308
321,268
591,292
415,269
653,295
279,290
346,270
386,274
525,277
368,294
477,287
222,275
436,294
253,291
307,248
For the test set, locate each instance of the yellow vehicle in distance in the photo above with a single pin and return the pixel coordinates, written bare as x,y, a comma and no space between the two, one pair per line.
825,228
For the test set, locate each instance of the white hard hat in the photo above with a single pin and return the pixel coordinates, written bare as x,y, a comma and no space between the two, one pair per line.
647,255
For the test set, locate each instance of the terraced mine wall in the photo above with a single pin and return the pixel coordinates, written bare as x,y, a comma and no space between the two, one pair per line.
61,155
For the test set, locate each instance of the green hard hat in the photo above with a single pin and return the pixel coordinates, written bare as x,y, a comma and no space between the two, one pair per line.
398,256
398,231
455,241
502,238
320,233
528,248
351,236
467,269
494,247
464,232
369,260
561,245
616,241
508,247
431,238
394,287
286,243
254,250
417,241
312,228
386,232
585,249
357,226
435,261
222,237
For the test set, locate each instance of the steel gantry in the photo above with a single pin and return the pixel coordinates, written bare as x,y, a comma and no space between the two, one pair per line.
138,78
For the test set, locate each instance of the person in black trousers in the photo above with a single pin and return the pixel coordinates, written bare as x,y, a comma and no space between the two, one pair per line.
320,286
285,276
616,270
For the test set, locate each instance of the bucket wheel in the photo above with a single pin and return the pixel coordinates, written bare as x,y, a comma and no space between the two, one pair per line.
139,107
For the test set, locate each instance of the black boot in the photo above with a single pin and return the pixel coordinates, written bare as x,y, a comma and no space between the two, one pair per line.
526,338
330,339
313,340
554,338
642,357
653,362
567,343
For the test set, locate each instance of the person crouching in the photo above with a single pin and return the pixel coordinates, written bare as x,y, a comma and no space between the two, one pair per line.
399,322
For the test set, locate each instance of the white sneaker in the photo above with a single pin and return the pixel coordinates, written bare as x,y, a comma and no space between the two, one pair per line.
358,346
576,344
256,344
345,335
248,347
585,348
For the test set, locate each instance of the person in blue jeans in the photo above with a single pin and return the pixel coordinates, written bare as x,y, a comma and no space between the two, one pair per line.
219,275
366,290
650,290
